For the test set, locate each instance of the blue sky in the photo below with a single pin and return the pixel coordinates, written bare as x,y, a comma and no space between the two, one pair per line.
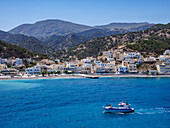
88,12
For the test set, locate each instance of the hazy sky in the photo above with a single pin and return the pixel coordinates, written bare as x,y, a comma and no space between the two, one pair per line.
88,12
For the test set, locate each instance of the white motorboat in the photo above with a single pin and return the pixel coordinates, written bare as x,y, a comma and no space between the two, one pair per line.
123,108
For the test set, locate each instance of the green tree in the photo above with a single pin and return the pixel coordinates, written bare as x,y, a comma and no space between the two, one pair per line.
147,72
32,63
58,72
49,73
25,62
8,66
43,73
55,73
22,70
56,62
66,71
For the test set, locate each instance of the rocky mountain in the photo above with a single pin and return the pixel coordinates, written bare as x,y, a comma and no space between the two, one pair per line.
125,26
71,40
9,50
30,43
154,41
46,28
63,35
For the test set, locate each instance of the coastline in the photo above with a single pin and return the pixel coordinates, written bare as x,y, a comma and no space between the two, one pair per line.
83,76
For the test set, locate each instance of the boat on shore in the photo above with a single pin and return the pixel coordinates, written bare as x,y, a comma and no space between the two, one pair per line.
123,108
93,77
90,76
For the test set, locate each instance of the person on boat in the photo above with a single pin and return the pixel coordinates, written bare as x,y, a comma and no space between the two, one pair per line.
108,105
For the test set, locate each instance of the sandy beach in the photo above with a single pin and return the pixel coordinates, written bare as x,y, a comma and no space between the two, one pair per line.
79,76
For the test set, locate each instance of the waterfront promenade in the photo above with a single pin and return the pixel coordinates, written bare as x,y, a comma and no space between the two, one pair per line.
77,76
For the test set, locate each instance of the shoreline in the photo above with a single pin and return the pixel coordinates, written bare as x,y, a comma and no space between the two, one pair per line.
84,76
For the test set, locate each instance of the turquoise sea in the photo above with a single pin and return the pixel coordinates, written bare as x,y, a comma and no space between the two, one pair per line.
77,103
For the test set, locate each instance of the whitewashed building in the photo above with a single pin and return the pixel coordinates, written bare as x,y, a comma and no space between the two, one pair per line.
122,69
132,55
18,62
167,52
163,68
33,71
3,60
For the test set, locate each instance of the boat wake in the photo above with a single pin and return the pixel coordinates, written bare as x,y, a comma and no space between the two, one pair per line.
152,111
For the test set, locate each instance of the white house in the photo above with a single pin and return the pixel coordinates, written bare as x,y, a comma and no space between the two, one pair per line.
167,52
108,54
70,65
132,68
57,60
87,60
110,59
163,68
87,66
18,62
97,62
122,69
3,60
132,55
164,58
99,69
33,71
11,62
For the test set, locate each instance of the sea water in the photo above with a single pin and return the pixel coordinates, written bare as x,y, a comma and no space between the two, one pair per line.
77,103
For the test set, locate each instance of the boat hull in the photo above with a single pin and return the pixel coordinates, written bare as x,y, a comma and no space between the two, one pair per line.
113,110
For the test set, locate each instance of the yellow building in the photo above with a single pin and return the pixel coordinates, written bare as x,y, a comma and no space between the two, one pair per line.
3,66
46,62
57,66
119,55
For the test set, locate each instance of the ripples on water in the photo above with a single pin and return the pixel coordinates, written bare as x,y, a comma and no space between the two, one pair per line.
78,102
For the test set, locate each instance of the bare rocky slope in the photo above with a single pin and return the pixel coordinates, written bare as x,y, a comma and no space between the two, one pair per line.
29,43
154,40
63,34
46,28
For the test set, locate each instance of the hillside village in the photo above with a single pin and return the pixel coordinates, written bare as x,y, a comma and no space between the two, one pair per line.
143,52
113,61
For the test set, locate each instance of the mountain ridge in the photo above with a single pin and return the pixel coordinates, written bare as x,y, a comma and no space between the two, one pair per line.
62,42
122,25
134,40
45,28
29,43
8,50
61,34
